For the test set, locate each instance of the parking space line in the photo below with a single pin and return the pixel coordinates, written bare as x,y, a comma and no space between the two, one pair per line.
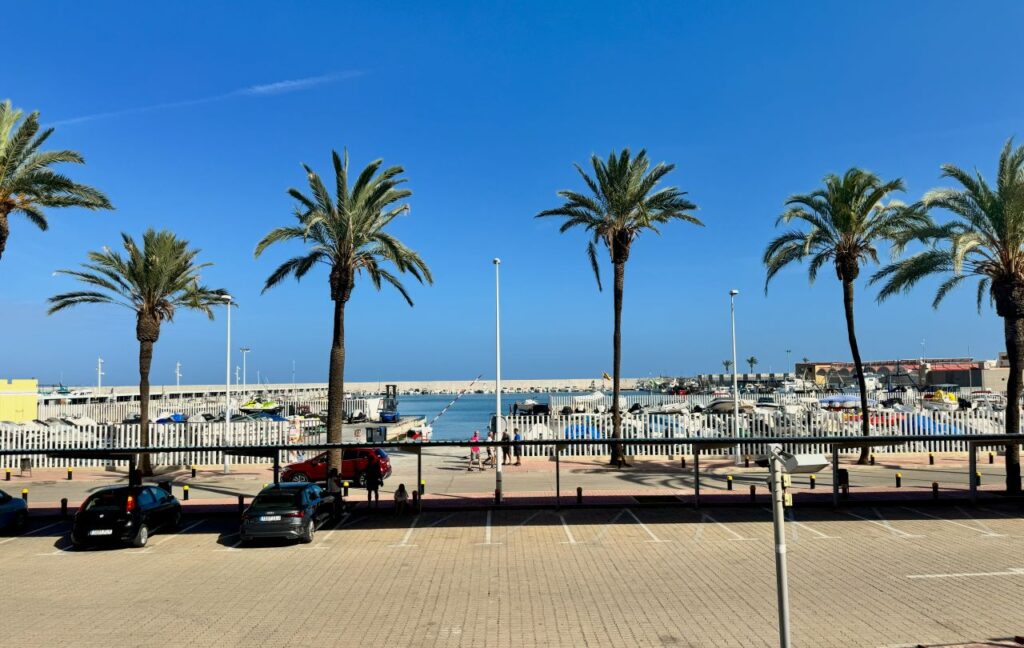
565,527
735,536
233,547
791,518
165,538
1012,571
882,522
984,531
643,526
32,532
408,534
487,533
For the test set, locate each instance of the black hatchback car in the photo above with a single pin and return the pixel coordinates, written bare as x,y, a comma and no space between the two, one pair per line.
124,514
289,511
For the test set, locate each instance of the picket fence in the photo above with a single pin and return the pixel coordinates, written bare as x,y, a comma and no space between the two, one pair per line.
117,412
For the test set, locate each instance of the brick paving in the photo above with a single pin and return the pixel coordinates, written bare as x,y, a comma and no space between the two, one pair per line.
862,576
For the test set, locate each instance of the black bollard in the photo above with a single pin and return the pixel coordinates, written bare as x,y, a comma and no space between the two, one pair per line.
344,489
184,492
931,459
871,459
846,491
935,490
24,494
814,481
746,461
241,505
753,493
991,458
423,486
977,478
69,473
682,461
64,507
728,482
899,480
579,494
193,471
7,474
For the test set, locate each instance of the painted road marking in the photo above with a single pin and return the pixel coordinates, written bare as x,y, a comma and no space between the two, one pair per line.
32,532
408,534
1012,571
565,527
164,539
487,533
735,536
791,518
882,522
643,526
984,531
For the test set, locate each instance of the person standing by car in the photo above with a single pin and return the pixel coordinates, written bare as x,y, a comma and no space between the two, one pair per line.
474,451
373,478
506,448
517,447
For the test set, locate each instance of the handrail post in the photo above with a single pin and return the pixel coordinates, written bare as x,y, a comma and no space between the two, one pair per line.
972,458
835,475
696,476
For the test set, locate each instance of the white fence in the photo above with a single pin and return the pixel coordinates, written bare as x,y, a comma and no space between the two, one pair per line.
810,424
110,437
117,412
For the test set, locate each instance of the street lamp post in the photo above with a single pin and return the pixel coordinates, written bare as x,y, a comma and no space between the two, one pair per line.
227,382
245,375
497,379
177,374
735,378
99,374
778,493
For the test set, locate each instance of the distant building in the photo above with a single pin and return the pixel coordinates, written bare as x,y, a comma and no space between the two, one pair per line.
18,400
916,372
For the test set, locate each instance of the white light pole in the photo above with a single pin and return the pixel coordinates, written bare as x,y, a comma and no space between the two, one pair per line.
778,493
99,374
497,379
177,374
245,375
735,378
227,382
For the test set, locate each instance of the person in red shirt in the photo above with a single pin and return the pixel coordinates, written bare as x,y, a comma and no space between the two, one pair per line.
474,452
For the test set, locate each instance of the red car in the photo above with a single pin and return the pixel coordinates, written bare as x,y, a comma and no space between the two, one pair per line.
353,466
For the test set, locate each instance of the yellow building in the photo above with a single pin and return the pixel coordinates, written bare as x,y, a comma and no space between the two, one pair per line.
18,400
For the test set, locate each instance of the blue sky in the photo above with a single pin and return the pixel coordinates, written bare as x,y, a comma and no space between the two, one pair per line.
196,117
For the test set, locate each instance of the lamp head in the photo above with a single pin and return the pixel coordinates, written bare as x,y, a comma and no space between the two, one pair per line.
226,298
733,292
497,261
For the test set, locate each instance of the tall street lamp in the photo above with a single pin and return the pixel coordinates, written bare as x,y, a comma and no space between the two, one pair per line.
177,374
735,378
227,382
497,379
245,375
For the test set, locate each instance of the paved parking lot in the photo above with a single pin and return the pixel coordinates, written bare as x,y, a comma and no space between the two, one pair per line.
864,576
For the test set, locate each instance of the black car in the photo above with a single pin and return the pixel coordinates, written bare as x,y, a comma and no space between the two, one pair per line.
290,511
124,514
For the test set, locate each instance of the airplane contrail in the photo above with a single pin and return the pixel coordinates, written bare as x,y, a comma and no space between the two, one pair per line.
259,90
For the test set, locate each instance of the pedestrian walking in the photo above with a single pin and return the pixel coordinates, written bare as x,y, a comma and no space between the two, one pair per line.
506,448
474,451
401,499
517,447
489,461
372,478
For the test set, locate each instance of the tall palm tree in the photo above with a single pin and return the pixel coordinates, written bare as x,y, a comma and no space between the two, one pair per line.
623,201
153,281
727,365
752,362
846,221
27,183
347,234
985,240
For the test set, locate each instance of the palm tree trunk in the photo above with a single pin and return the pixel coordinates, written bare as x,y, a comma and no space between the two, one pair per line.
855,351
617,454
1014,328
5,231
336,386
145,361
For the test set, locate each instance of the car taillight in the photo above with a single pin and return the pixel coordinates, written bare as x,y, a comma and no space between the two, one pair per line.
129,505
297,514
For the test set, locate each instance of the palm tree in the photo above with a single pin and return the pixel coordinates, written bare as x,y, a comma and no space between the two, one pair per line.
985,240
752,362
846,220
347,235
27,184
623,202
727,364
153,282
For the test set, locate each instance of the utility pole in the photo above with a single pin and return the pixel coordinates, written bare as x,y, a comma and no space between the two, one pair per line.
99,373
177,374
497,381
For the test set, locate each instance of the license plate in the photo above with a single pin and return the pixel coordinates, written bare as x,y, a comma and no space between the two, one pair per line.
101,532
270,518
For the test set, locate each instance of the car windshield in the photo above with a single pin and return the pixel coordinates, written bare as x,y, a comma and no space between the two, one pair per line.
110,500
277,499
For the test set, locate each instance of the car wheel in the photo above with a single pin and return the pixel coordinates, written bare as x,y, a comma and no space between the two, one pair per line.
310,532
299,477
141,536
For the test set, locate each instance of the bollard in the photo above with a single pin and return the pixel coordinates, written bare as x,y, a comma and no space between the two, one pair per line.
871,459
899,480
977,478
24,494
344,489
931,459
746,461
753,493
184,492
63,507
814,480
423,486
193,471
69,473
7,474
846,491
728,482
935,490
682,461
241,504
416,500
265,484
991,458
497,496
579,494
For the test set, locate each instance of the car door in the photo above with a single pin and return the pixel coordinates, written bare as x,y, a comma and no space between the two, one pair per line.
146,503
165,506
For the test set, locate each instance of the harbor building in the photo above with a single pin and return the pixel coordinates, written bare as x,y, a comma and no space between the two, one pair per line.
912,372
18,399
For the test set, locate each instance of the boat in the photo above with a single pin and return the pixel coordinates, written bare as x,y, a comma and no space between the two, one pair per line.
259,404
940,400
987,399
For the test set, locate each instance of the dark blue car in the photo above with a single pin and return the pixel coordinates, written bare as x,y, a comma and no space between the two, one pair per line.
13,512
290,511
